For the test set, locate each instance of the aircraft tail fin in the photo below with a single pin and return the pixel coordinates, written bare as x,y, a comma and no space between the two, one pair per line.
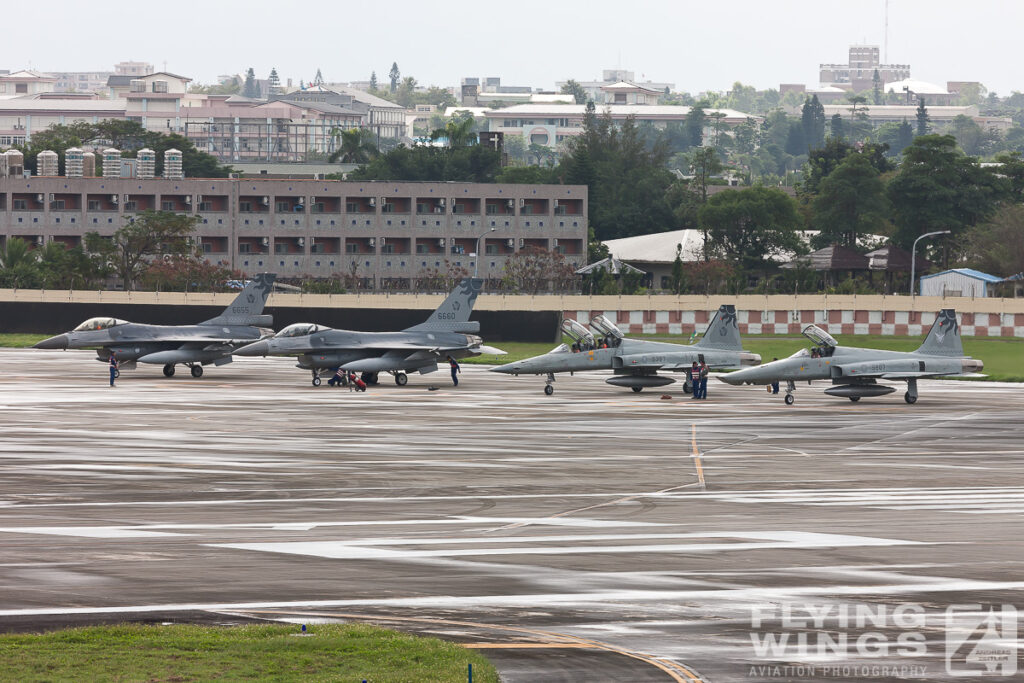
723,333
944,337
247,308
453,313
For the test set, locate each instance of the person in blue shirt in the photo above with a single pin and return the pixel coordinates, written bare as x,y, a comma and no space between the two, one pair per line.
113,367
455,370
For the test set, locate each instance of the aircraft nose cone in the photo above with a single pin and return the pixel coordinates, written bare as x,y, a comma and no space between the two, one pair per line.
260,348
506,369
734,378
58,342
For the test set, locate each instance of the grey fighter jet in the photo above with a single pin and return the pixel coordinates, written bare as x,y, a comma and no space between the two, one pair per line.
855,372
636,362
447,332
194,346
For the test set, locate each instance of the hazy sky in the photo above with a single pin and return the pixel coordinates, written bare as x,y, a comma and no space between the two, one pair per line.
696,45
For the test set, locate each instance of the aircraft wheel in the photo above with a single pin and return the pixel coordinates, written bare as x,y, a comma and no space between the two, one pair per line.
117,373
370,377
401,379
687,388
316,381
789,399
548,389
854,398
197,371
909,399
169,370
637,389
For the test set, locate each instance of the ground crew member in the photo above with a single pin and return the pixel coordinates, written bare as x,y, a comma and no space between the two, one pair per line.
455,370
774,386
703,379
695,380
113,367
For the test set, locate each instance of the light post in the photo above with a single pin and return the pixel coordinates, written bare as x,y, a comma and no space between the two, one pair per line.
913,256
476,263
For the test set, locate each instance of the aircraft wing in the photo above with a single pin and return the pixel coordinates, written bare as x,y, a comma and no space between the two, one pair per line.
919,375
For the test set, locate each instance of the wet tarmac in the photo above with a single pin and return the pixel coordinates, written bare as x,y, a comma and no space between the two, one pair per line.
568,537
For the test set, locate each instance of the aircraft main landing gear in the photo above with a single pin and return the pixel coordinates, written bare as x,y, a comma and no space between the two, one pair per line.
401,379
197,371
687,387
548,388
911,395
169,370
370,377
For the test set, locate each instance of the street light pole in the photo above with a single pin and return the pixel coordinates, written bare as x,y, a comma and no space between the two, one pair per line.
913,257
476,263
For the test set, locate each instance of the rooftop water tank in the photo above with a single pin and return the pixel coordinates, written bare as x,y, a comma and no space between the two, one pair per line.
73,162
172,164
111,163
47,163
147,163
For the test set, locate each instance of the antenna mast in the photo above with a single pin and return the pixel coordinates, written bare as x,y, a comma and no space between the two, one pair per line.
885,45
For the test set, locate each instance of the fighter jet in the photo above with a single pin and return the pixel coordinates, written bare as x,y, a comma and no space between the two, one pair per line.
447,332
636,362
194,346
855,372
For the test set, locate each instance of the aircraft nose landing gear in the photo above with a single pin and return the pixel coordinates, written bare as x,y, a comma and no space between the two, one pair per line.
548,388
790,388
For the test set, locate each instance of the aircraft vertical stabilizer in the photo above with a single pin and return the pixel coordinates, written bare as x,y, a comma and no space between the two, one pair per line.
944,337
453,313
247,308
723,333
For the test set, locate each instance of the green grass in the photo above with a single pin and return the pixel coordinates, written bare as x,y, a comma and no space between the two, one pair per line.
1004,358
21,341
182,652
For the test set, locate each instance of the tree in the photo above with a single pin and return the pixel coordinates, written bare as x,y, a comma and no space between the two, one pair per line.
938,188
850,204
795,142
812,119
573,88
836,127
997,246
533,269
373,81
704,164
923,119
750,226
968,134
823,161
694,125
250,89
876,89
394,75
150,234
18,264
63,268
1011,167
273,83
357,146
626,179
678,281
184,272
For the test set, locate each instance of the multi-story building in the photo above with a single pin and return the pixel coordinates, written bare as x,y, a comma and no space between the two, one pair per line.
134,69
550,124
858,73
25,82
81,81
387,234
595,89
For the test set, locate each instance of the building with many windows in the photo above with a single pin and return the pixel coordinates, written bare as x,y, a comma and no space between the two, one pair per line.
386,234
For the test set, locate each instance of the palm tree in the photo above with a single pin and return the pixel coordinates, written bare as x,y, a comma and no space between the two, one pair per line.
17,263
356,147
458,131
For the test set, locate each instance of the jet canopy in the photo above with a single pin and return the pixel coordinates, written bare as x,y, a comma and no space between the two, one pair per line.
819,336
298,330
824,343
93,324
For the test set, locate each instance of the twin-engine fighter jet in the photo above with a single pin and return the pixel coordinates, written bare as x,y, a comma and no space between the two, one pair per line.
636,362
211,341
855,372
447,332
